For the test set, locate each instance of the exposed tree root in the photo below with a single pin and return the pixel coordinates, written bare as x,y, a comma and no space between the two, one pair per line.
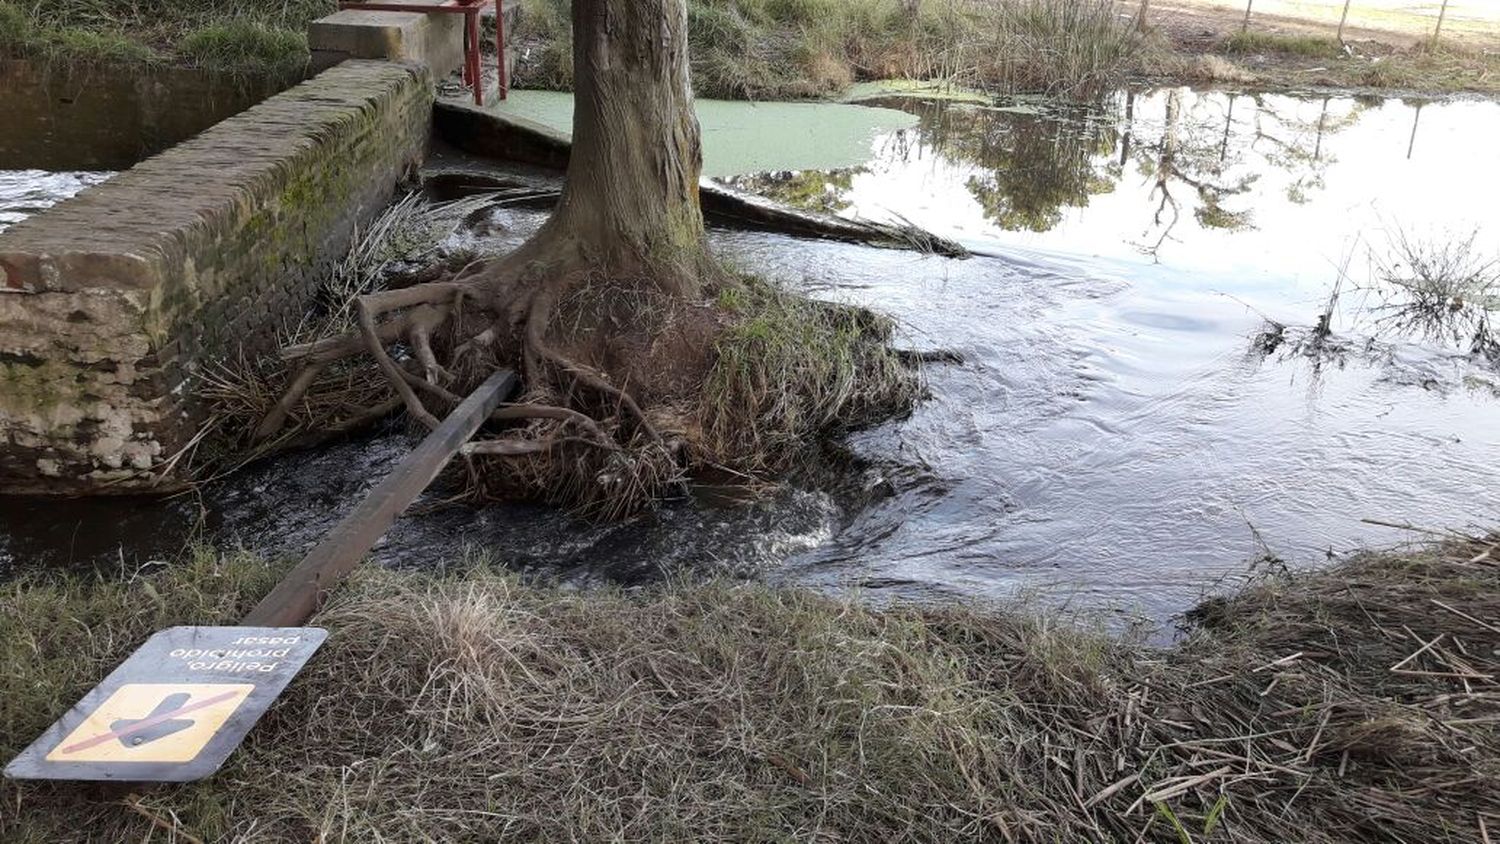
626,389
434,341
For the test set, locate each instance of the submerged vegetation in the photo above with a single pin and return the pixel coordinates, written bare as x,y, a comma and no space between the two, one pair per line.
1444,291
1359,703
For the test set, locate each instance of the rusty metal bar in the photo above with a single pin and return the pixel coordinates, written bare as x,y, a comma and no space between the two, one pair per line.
304,588
500,48
472,55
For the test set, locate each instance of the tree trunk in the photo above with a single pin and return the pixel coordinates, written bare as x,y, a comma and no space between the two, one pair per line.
631,197
607,311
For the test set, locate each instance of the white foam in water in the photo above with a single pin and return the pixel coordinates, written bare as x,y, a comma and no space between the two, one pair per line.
24,193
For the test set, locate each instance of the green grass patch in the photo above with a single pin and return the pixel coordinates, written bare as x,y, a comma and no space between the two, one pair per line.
245,46
1311,46
21,35
257,38
15,27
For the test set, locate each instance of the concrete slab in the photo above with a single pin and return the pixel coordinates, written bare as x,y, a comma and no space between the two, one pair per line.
436,40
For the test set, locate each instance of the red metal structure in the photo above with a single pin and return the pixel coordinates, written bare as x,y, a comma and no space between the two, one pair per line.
470,9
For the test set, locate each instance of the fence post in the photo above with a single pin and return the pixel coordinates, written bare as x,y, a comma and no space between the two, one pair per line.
1343,19
1140,17
1442,13
1245,26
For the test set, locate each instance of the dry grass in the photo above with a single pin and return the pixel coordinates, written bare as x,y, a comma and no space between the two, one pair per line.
789,49
1076,48
1355,704
409,241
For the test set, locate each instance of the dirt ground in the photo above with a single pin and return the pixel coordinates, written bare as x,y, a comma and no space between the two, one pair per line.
1474,24
1387,44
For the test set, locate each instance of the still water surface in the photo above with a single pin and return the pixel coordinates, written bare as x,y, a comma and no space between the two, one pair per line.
1111,434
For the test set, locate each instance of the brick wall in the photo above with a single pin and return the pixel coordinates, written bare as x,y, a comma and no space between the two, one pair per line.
111,302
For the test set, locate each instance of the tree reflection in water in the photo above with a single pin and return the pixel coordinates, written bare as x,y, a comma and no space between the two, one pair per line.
1027,162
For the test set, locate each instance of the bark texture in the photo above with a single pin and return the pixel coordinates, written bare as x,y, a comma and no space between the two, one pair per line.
632,190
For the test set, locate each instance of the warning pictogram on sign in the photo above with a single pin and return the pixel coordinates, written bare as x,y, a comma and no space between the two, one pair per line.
152,722
173,711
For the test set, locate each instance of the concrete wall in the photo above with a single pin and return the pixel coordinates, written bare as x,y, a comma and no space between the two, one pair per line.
62,117
112,302
435,40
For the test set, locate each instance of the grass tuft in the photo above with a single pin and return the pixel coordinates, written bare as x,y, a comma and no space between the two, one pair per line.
790,369
214,34
15,26
243,45
1311,46
1078,48
21,35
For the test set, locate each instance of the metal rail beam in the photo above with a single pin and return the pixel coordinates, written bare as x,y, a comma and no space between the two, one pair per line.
305,587
473,55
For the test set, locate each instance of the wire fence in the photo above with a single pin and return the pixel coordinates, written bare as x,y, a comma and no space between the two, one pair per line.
1428,22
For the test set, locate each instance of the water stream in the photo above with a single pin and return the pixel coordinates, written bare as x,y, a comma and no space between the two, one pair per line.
1112,434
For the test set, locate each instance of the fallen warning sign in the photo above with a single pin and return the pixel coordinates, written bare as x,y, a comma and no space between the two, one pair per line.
173,711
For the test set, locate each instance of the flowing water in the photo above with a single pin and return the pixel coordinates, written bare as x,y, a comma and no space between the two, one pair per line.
1114,432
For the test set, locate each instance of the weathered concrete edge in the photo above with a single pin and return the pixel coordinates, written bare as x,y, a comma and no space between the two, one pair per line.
434,39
